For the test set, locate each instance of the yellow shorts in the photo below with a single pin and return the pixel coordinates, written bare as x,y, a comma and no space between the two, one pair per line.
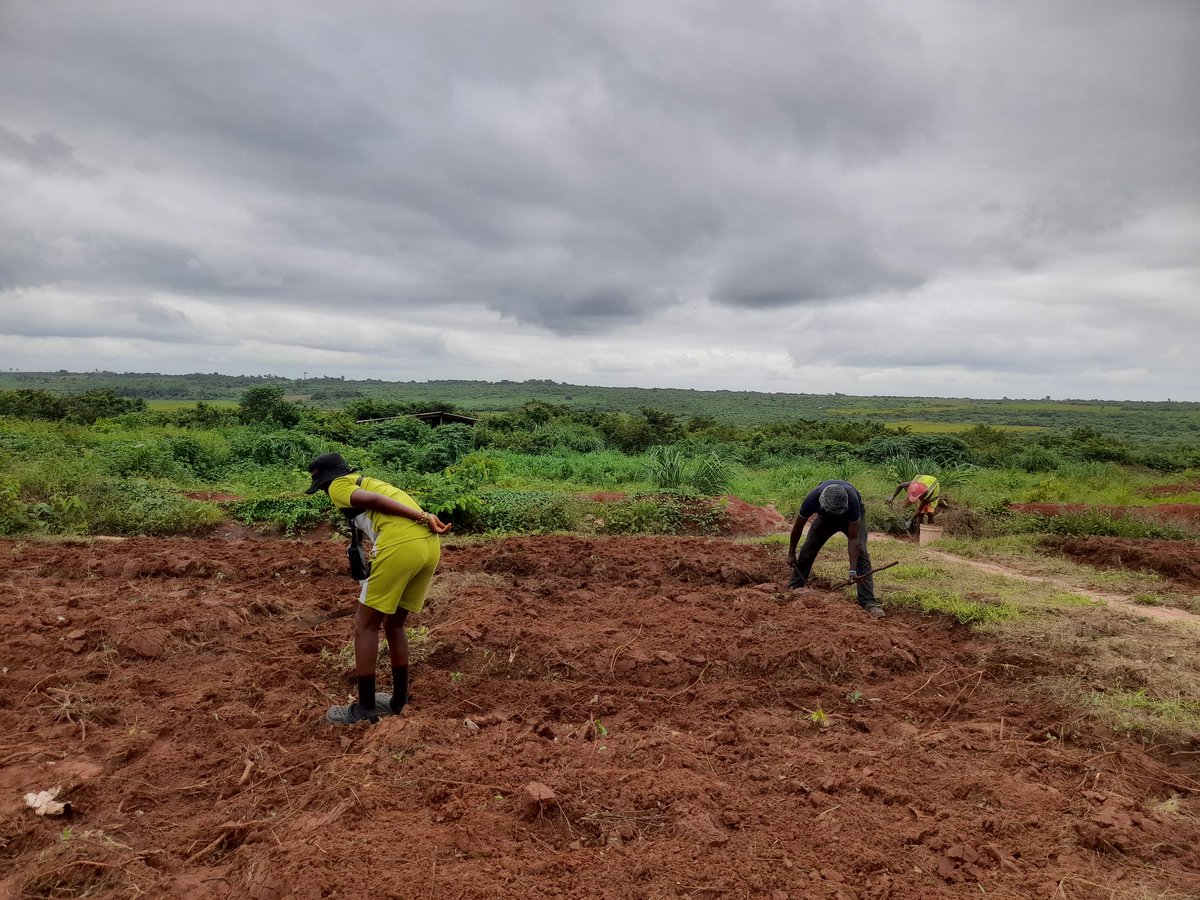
400,575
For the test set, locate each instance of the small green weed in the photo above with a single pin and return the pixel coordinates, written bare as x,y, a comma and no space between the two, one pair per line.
420,644
340,660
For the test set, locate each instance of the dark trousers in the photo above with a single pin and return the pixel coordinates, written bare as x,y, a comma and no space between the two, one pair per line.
818,533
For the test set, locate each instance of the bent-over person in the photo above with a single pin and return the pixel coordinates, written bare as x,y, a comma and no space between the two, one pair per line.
834,506
404,555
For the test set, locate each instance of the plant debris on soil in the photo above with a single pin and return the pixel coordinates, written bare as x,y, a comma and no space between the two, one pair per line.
624,717
1176,561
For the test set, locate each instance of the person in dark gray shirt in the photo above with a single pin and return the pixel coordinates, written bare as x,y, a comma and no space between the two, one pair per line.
837,506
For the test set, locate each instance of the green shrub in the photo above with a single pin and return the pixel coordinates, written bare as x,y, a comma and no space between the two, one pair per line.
527,512
289,449
394,454
711,474
944,449
444,447
1037,459
265,405
203,453
329,426
662,512
885,518
403,428
134,506
667,468
16,517
139,458
287,512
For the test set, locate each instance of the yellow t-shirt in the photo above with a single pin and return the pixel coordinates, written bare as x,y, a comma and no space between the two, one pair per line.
381,528
932,487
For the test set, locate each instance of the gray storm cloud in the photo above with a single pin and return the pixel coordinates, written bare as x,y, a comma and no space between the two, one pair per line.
627,171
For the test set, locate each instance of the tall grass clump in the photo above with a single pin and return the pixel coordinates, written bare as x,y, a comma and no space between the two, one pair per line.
906,468
671,470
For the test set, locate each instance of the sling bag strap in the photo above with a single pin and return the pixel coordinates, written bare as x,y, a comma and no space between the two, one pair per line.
352,513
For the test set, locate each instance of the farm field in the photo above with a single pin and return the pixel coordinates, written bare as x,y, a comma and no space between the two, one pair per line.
1125,418
621,717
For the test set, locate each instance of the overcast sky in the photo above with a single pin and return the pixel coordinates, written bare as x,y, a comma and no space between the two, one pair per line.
935,197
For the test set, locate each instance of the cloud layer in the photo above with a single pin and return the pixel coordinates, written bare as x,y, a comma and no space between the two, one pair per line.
933,198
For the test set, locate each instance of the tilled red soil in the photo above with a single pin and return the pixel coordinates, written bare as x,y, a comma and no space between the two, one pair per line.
1176,561
593,718
1184,487
1181,514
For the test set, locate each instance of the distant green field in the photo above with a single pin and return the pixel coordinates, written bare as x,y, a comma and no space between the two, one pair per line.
1141,422
917,427
169,405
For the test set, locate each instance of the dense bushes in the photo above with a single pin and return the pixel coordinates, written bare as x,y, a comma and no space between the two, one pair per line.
288,449
517,470
528,512
83,409
137,506
943,449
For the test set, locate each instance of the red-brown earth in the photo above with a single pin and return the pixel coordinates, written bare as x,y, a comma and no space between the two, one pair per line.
591,718
737,517
1183,487
1177,562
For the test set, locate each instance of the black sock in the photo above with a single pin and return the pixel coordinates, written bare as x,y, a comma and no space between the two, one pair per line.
399,687
366,693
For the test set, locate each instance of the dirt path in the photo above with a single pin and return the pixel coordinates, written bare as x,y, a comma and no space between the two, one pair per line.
647,717
1121,602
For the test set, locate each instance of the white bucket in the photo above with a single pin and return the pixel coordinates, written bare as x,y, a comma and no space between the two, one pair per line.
929,533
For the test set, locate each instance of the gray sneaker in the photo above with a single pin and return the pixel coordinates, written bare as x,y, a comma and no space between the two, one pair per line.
874,609
350,715
383,705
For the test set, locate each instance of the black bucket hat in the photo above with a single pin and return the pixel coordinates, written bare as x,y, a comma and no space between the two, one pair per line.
324,469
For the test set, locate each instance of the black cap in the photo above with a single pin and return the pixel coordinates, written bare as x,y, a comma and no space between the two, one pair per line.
324,469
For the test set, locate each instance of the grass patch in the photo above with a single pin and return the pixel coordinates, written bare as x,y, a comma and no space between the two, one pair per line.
1136,712
916,572
1027,553
1005,547
963,610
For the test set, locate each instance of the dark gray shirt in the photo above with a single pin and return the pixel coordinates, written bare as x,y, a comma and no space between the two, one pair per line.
812,505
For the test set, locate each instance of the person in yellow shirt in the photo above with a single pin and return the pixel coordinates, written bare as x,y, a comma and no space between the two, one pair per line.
925,493
405,553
